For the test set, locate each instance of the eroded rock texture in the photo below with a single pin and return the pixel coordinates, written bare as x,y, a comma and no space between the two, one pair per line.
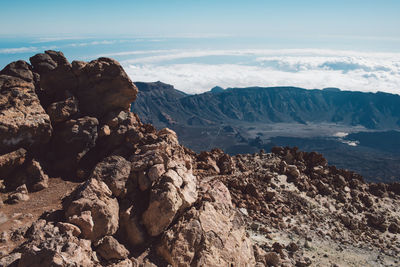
142,199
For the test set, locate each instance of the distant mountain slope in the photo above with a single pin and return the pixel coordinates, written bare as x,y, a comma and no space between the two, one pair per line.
163,105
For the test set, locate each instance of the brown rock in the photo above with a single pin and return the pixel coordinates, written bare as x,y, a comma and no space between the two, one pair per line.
114,171
110,249
125,263
20,194
209,236
56,76
323,188
339,181
156,172
42,63
46,246
104,131
10,260
134,232
292,247
63,110
9,162
19,69
272,259
394,187
103,87
259,254
68,227
188,189
37,177
226,164
377,221
377,189
165,202
84,221
394,228
72,140
23,122
293,171
92,200
252,190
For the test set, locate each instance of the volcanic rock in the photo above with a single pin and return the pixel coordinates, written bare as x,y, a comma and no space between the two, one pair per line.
56,76
110,249
63,110
37,178
9,162
19,69
23,121
114,171
145,196
48,247
103,87
209,236
95,197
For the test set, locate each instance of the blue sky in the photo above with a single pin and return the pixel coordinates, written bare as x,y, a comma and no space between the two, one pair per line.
305,19
196,45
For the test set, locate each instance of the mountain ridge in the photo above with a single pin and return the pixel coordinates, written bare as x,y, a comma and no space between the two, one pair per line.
280,104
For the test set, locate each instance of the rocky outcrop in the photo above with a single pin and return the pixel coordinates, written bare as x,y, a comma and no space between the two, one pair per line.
11,161
93,209
48,246
23,121
210,235
114,171
103,87
294,195
145,200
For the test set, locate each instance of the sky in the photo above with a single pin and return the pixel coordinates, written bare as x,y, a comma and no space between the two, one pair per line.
306,18
195,45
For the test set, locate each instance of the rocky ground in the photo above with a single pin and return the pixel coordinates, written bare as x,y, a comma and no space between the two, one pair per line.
85,183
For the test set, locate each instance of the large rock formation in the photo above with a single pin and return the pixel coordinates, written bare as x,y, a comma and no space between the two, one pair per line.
138,182
23,121
145,200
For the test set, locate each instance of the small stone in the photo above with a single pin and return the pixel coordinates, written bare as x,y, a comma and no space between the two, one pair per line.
104,131
110,249
68,227
272,259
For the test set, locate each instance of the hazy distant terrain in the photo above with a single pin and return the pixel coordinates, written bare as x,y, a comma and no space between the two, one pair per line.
354,130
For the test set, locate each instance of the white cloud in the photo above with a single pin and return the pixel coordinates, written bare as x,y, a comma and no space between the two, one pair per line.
136,52
18,50
57,38
307,68
104,42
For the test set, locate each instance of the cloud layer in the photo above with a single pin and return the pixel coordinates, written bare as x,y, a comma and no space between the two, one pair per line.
198,71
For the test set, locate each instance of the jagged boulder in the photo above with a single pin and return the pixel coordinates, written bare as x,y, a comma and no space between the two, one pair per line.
63,110
47,246
29,173
19,69
23,121
114,171
11,161
38,180
56,76
93,209
210,235
103,87
164,204
134,232
110,249
72,141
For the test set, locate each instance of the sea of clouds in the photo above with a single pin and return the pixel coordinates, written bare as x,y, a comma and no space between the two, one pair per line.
197,71
191,72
